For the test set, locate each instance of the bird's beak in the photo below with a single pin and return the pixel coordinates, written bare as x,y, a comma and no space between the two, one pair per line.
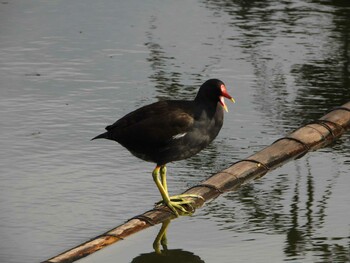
224,94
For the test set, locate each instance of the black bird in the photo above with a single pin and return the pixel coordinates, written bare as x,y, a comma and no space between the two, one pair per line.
172,130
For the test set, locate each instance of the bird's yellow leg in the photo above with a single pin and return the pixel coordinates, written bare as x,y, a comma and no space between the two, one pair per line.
163,177
174,202
179,198
164,194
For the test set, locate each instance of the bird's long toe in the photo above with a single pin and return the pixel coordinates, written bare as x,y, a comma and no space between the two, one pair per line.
181,204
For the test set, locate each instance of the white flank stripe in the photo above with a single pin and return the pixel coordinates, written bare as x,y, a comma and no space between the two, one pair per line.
178,136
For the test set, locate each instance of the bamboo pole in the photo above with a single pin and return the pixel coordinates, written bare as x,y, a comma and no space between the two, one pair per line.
309,137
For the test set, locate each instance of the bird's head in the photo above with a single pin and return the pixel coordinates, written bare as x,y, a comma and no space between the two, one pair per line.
214,90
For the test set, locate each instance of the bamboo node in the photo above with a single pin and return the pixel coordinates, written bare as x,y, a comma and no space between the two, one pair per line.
306,147
210,186
338,108
325,124
144,218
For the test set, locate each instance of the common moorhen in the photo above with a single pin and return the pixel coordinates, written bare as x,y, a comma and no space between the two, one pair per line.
172,130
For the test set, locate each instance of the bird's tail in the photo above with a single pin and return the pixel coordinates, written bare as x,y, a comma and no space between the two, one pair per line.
101,136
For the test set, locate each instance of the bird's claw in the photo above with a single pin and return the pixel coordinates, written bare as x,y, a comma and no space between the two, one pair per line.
181,204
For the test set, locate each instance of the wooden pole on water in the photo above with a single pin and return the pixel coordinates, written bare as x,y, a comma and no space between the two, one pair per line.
310,137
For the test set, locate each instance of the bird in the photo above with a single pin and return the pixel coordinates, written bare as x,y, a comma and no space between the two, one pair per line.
172,130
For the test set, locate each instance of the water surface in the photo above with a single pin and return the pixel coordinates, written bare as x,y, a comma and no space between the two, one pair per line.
70,68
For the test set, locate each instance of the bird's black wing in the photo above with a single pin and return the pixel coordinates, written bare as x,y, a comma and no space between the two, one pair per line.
154,124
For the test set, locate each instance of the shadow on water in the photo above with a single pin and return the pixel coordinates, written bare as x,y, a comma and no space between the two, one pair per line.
320,28
166,75
169,256
327,77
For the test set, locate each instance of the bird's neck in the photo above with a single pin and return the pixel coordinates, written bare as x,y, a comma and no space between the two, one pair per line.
207,107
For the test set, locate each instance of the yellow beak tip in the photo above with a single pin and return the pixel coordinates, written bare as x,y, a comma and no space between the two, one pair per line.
233,100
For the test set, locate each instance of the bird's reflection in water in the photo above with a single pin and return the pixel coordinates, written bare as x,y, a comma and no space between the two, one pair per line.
161,239
162,254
